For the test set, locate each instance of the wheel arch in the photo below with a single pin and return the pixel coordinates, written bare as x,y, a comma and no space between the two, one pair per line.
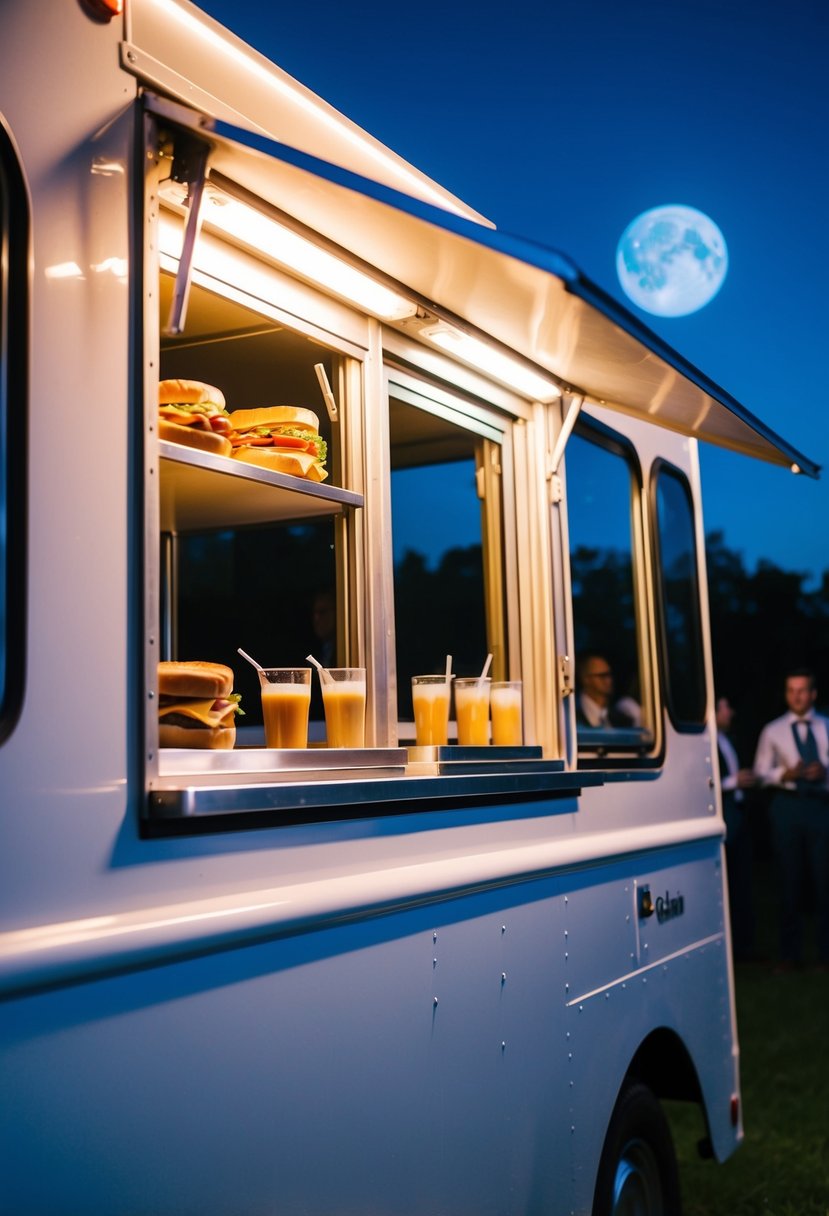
664,1064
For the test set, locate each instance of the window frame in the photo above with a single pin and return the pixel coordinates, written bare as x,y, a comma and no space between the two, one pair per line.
493,428
659,467
15,305
648,751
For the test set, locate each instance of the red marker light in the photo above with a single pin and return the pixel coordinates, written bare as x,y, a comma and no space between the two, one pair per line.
735,1109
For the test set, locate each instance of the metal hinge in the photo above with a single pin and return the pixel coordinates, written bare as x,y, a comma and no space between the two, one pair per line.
565,675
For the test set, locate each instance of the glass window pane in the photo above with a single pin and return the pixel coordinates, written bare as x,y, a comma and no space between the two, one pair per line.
599,502
438,548
269,590
680,600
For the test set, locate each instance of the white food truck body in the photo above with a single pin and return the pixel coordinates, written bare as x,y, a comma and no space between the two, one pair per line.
393,981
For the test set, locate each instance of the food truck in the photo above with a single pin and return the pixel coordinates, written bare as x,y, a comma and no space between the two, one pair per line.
394,976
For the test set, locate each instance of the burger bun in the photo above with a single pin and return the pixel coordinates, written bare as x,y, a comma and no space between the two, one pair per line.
275,415
195,437
194,679
218,738
295,464
189,392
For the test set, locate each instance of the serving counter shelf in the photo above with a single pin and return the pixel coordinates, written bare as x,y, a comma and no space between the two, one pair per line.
274,787
452,758
279,764
201,490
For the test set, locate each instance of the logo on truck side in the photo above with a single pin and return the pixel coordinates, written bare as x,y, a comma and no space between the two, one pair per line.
668,906
665,906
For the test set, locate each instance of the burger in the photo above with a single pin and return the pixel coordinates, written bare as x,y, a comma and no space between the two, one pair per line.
196,705
284,438
193,413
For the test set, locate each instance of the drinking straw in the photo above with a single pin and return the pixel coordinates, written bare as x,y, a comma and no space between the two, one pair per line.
252,662
482,676
448,668
325,678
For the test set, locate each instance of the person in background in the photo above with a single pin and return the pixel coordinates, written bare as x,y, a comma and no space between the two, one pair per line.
594,702
734,781
793,758
323,644
324,626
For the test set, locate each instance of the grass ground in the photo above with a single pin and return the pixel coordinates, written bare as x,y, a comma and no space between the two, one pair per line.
782,1166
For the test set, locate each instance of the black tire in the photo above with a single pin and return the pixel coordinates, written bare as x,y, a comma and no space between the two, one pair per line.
637,1173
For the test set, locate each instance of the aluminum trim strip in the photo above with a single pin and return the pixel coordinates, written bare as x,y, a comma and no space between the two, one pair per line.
712,940
188,800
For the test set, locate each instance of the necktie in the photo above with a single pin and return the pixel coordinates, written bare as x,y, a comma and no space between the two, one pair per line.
806,748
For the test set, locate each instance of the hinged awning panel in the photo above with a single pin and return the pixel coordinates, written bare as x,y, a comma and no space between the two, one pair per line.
182,52
525,296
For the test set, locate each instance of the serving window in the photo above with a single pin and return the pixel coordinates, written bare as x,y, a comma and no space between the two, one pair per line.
394,561
613,702
249,558
447,538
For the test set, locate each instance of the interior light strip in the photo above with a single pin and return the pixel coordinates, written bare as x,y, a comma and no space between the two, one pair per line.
252,228
488,358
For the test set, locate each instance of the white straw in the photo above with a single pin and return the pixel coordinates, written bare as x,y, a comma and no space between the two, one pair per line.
324,676
252,662
482,676
448,668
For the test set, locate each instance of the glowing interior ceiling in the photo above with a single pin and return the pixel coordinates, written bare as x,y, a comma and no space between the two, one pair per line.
526,296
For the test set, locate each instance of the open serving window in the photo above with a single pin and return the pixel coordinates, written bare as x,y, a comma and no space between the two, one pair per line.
238,555
285,280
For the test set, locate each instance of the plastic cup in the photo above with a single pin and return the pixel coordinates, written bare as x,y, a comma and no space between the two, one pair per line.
430,701
344,702
505,707
286,700
472,711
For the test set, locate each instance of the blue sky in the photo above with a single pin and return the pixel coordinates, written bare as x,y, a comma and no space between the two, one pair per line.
563,121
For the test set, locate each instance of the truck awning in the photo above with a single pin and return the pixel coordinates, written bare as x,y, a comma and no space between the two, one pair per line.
523,295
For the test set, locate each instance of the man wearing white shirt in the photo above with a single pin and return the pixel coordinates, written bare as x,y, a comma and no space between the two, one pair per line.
793,757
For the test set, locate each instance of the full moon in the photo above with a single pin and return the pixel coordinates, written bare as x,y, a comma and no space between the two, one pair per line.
671,260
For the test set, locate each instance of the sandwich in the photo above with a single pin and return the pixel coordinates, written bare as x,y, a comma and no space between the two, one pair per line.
196,705
284,438
193,413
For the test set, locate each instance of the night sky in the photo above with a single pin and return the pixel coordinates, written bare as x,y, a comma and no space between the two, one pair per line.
562,122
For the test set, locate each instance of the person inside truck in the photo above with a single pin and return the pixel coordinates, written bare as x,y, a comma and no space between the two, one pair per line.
594,703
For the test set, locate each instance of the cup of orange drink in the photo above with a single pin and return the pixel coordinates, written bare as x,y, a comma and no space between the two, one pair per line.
430,701
286,700
344,702
472,710
505,708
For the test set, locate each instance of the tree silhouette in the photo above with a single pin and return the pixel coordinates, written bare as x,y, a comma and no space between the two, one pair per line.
762,624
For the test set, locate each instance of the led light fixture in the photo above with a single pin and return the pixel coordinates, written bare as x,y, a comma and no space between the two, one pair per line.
259,232
488,358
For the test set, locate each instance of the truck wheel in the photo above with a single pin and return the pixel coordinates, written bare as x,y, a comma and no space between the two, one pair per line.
637,1172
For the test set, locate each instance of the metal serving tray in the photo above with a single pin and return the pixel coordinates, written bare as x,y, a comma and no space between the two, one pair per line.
452,758
310,762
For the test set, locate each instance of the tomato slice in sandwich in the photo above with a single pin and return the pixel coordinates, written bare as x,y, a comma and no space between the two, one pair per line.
292,441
